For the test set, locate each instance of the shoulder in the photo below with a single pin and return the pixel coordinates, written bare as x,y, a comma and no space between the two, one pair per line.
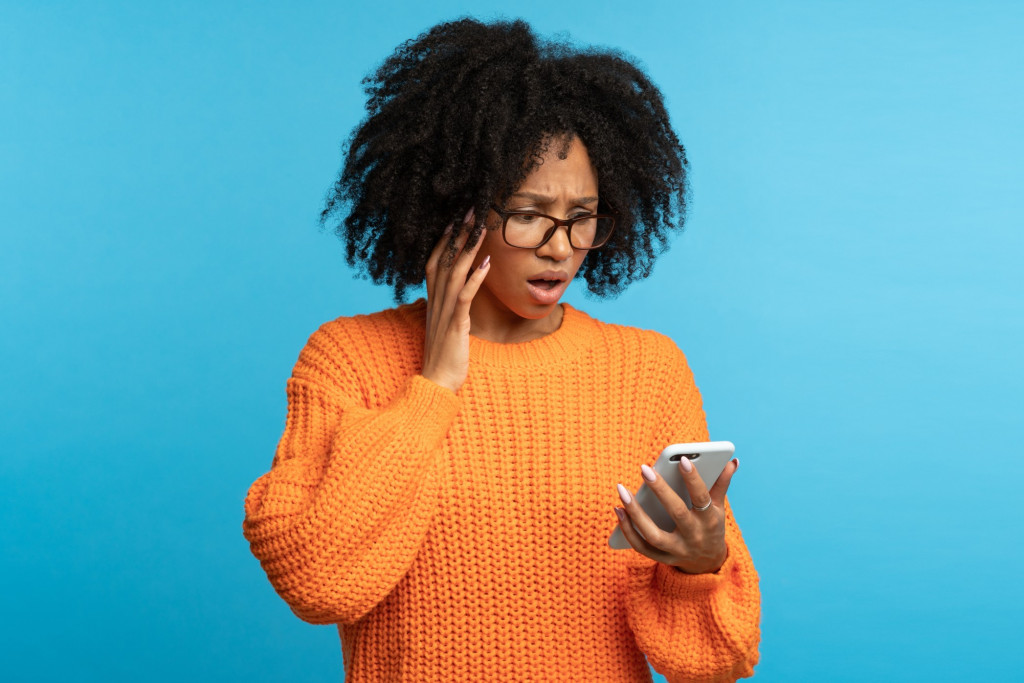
374,327
625,342
650,367
351,343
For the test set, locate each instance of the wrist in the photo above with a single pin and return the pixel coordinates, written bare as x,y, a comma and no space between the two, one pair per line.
450,386
708,567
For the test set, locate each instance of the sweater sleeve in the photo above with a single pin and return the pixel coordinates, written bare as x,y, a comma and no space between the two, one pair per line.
695,627
341,515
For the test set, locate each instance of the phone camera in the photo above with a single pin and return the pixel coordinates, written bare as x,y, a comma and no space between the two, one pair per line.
679,456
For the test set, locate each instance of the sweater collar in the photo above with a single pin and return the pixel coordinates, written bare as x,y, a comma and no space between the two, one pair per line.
570,341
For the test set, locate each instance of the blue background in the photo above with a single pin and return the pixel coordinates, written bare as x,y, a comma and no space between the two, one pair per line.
845,292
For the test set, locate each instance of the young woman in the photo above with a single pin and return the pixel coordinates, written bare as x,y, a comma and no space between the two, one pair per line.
451,469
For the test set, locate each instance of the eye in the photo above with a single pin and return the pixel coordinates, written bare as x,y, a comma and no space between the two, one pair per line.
524,217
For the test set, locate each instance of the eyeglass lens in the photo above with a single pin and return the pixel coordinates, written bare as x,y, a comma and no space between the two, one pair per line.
529,230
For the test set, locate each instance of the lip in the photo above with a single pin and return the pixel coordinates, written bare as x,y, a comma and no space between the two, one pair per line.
548,296
550,275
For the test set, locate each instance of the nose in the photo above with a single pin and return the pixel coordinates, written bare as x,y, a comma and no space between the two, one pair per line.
558,247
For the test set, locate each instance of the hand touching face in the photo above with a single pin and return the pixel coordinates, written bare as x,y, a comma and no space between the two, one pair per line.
523,287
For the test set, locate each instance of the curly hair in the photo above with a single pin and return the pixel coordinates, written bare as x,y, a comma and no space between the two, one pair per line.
459,116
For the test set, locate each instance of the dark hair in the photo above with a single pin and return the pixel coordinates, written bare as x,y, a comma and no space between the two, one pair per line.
453,115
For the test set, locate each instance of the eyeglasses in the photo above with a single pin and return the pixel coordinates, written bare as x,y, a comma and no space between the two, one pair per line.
531,230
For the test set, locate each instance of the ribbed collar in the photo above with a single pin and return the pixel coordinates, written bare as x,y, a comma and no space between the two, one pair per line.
572,338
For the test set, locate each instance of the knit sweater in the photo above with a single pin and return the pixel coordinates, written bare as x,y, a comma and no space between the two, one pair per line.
464,536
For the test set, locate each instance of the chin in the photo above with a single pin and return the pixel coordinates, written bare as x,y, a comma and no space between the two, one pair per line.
518,302
526,309
537,311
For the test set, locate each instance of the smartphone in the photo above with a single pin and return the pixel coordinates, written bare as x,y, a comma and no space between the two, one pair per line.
710,459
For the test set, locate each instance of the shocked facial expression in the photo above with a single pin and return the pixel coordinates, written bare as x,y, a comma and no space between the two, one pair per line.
526,284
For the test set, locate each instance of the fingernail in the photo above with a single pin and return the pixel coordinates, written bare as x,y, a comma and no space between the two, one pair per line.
648,473
469,215
624,495
621,514
685,463
486,262
448,230
737,461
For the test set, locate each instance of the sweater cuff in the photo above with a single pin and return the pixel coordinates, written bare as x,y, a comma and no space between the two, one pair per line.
677,584
425,397
429,404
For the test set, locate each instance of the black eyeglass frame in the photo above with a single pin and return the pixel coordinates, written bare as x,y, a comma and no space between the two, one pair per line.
558,222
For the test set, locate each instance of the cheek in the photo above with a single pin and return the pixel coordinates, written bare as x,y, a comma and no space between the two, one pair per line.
503,257
578,260
487,248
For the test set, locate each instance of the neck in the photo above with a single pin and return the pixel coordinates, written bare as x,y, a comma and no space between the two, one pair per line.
502,326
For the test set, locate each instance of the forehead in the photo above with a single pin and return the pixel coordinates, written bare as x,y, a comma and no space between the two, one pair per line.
562,170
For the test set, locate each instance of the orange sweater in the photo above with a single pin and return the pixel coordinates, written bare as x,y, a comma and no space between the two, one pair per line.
464,537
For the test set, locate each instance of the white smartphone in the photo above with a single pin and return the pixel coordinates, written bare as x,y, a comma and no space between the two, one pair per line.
710,459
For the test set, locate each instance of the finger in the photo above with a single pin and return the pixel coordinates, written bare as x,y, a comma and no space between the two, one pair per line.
450,249
655,536
457,276
670,500
721,484
461,238
450,257
636,541
695,486
473,240
465,298
435,253
433,261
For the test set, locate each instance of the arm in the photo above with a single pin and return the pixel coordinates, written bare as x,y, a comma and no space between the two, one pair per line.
337,522
694,627
698,627
340,517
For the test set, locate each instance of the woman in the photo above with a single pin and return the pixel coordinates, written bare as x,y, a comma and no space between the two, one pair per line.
451,469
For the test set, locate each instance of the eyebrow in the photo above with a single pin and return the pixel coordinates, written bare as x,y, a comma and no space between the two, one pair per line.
542,199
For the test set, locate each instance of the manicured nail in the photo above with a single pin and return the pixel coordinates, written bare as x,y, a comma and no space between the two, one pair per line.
469,215
621,514
648,473
685,463
448,230
486,262
624,495
737,461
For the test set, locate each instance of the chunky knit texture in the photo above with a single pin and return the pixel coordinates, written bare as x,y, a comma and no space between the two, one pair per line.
464,537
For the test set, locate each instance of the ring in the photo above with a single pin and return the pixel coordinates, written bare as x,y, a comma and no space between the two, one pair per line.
696,509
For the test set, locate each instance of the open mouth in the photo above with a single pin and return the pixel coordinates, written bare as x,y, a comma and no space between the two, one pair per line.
545,284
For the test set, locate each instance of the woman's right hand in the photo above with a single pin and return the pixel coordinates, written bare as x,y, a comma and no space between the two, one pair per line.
449,296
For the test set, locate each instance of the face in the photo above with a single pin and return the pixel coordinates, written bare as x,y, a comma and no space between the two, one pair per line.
526,284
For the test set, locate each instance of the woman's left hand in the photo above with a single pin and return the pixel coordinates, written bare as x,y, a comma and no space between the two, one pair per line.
697,545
